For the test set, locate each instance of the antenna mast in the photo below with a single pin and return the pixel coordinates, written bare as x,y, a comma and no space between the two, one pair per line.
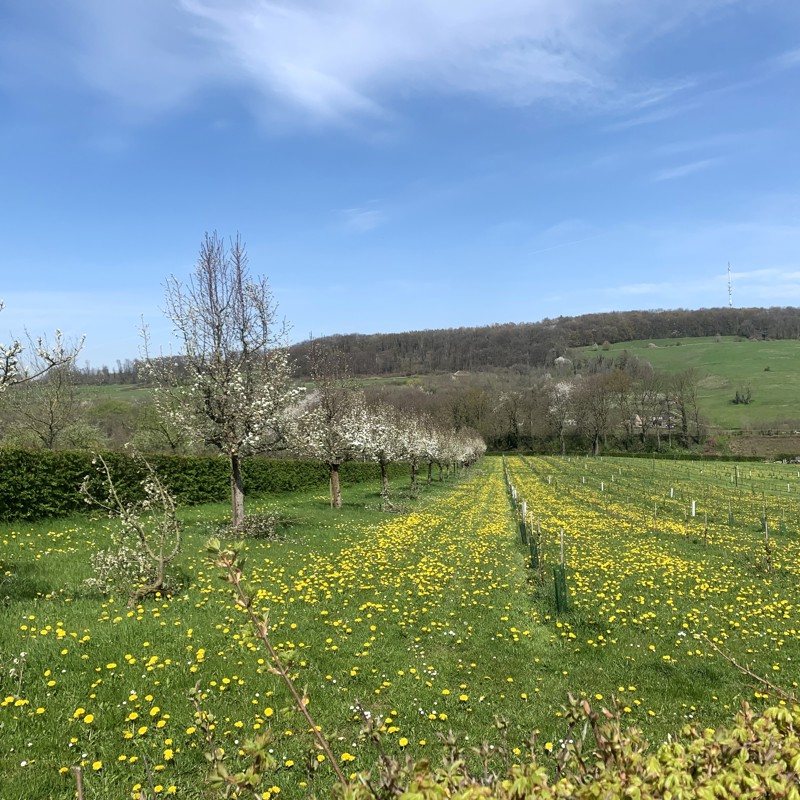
730,287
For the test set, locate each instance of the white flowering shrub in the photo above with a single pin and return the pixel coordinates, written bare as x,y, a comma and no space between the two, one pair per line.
254,525
148,538
120,567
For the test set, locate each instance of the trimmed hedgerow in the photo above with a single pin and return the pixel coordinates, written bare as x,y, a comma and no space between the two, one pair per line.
41,484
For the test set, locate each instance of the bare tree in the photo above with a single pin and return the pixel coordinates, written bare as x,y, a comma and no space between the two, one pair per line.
45,409
620,383
594,408
646,400
684,394
511,406
231,382
560,410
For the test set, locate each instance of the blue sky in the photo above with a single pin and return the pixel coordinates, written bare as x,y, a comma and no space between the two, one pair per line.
396,165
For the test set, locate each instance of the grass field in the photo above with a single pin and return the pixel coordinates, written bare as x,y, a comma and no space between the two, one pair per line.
125,391
769,368
430,618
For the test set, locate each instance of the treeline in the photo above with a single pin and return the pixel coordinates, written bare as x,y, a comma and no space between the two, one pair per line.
605,402
517,347
123,371
525,346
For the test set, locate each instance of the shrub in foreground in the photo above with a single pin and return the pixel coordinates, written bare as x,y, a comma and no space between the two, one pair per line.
148,538
757,756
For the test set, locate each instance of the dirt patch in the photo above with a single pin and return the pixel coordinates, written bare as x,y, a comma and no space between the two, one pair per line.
714,382
767,446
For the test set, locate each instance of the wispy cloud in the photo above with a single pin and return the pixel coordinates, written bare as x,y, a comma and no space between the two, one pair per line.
650,117
787,59
682,96
361,220
335,60
684,278
769,286
566,233
716,143
770,274
641,288
667,294
683,170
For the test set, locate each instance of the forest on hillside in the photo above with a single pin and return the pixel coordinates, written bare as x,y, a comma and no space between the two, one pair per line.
521,347
517,347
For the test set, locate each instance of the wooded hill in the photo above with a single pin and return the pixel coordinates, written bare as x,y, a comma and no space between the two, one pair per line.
520,347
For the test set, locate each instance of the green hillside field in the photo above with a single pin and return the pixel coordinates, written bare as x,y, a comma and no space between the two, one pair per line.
770,368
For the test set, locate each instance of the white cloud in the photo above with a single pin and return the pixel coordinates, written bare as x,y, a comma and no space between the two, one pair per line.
788,59
768,276
718,142
658,115
566,233
642,288
335,60
696,286
683,170
361,220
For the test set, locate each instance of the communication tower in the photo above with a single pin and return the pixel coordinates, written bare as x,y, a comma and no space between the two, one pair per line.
730,287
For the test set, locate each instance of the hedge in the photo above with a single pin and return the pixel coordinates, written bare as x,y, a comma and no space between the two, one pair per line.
39,484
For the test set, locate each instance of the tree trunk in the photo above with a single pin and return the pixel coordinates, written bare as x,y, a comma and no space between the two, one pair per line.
430,472
336,493
384,484
237,491
684,425
413,477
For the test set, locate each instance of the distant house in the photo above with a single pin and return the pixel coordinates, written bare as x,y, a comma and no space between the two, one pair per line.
658,421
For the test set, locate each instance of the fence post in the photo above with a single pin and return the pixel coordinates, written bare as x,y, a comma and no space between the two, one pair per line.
534,550
560,579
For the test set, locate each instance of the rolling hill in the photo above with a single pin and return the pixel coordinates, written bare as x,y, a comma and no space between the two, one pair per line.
770,368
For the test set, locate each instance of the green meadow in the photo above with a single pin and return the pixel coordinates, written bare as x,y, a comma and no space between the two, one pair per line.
430,619
769,368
